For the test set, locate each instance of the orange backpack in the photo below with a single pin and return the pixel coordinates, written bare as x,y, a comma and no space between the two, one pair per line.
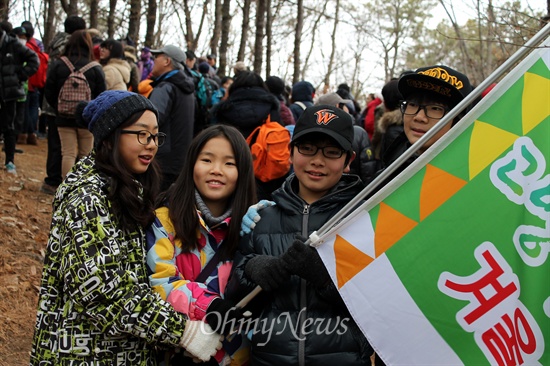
269,145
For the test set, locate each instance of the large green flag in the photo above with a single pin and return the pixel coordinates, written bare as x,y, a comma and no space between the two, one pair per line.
452,266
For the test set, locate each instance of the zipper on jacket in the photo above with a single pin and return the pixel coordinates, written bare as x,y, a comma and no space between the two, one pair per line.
303,297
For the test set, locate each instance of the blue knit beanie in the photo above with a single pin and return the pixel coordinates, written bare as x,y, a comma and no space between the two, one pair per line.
111,109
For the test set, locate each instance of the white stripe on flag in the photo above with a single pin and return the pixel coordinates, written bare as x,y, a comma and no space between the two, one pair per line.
391,318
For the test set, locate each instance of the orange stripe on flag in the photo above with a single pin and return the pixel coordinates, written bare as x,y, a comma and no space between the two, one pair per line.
349,260
391,226
437,187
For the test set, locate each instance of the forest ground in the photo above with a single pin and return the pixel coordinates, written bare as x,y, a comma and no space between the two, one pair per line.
25,215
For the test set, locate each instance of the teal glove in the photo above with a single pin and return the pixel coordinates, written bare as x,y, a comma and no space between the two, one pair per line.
252,216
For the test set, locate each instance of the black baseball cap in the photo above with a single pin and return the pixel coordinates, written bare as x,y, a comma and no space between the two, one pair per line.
327,119
438,79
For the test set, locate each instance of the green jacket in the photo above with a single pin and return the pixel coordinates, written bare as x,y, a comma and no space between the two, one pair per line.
95,304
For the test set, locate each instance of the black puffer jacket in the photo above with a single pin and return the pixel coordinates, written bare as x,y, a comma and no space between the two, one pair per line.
58,72
364,165
247,108
173,97
17,64
273,235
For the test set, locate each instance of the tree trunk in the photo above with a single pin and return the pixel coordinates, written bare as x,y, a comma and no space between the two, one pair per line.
189,38
151,20
216,32
49,23
4,7
111,19
333,47
94,10
298,40
134,21
73,7
224,43
259,41
245,28
269,36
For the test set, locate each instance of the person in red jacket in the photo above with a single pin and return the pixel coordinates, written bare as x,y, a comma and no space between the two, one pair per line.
36,84
372,102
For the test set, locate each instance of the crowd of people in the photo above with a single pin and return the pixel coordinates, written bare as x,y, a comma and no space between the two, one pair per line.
152,175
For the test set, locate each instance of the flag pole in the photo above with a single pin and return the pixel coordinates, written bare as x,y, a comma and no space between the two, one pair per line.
332,225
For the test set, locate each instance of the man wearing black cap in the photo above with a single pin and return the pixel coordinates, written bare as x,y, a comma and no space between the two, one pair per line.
291,273
429,93
173,96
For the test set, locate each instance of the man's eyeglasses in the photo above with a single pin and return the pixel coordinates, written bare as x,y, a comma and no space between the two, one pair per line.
434,111
330,152
144,137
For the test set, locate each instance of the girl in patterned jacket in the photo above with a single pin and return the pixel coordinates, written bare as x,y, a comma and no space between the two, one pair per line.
196,233
95,303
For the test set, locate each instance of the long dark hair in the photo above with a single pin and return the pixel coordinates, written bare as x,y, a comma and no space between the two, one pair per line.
181,198
115,48
79,46
123,191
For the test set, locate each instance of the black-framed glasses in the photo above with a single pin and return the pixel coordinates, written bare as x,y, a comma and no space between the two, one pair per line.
434,111
144,137
330,152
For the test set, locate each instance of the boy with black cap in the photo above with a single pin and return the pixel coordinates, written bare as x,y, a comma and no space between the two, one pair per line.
429,93
299,299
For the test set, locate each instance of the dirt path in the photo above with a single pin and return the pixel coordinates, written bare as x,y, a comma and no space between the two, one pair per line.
25,215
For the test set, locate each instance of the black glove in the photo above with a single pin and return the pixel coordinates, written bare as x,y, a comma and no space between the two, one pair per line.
304,261
220,314
267,271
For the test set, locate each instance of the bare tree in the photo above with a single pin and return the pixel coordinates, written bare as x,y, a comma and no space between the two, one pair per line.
224,43
216,32
298,39
71,7
261,6
268,36
49,22
133,24
94,10
320,16
244,30
333,47
4,9
111,19
151,21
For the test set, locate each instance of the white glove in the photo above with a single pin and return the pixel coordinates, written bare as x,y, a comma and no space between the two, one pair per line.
200,340
251,217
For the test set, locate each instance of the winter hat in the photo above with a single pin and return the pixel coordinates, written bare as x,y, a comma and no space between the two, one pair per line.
204,67
302,91
111,109
437,79
327,119
276,85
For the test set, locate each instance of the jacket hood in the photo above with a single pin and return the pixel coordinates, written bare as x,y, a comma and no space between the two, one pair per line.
303,90
179,79
82,174
247,106
388,119
345,190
